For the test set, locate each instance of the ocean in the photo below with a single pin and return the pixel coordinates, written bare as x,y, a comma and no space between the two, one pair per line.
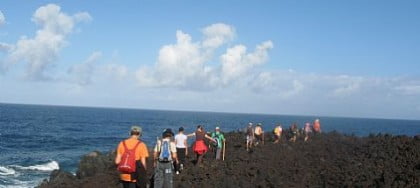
35,139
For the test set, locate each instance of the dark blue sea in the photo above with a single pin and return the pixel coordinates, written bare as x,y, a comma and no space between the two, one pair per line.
34,139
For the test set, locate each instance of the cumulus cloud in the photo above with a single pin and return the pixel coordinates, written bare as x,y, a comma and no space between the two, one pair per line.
236,61
186,63
83,72
2,19
217,34
42,51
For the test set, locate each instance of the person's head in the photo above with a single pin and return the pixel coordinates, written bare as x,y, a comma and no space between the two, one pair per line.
259,125
307,124
167,133
250,124
181,129
199,128
135,130
217,129
279,125
316,120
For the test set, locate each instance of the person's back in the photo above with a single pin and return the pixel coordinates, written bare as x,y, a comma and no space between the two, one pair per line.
164,155
258,132
181,148
249,136
219,137
317,126
140,155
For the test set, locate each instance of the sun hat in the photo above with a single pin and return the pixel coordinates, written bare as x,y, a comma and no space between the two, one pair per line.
167,132
217,128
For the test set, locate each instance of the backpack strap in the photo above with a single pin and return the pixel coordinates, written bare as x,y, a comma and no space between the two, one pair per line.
135,147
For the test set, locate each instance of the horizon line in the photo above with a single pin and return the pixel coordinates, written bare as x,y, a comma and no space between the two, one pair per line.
201,111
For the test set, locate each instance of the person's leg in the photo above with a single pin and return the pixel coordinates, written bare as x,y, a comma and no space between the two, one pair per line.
218,151
168,177
125,184
199,159
181,155
159,175
247,143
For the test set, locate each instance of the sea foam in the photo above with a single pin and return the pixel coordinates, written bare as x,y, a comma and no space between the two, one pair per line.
50,166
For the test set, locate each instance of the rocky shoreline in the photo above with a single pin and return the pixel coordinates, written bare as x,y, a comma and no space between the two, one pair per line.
326,160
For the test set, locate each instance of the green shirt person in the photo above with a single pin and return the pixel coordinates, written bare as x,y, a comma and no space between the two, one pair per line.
220,138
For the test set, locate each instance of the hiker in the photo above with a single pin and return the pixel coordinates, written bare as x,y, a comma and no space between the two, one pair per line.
258,134
181,149
199,146
164,156
317,126
249,136
307,130
294,132
131,160
219,144
277,133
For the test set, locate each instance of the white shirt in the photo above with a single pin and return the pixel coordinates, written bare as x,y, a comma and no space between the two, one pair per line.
180,139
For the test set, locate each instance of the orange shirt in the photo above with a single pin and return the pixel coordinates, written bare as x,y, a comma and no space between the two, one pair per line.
141,151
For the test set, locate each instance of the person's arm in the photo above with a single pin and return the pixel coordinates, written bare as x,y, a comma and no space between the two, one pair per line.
156,153
155,158
173,151
192,134
143,162
118,157
186,147
210,138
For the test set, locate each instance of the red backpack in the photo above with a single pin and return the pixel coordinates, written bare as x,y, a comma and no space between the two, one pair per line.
127,164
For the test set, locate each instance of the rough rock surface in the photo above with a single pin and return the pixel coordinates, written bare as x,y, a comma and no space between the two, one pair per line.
327,160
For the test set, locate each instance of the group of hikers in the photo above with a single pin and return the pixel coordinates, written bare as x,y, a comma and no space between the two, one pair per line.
255,135
170,151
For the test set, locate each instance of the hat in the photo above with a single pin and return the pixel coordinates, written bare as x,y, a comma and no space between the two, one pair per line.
167,132
217,128
250,124
136,128
181,129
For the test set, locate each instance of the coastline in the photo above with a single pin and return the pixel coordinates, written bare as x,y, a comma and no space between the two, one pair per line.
327,160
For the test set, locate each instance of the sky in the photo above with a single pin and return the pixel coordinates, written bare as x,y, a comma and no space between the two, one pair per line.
325,58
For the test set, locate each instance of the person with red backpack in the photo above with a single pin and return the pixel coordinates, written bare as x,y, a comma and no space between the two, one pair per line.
131,155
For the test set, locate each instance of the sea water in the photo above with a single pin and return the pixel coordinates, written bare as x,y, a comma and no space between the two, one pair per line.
35,140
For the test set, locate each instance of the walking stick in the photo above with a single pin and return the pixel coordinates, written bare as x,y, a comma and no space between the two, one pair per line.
263,138
224,149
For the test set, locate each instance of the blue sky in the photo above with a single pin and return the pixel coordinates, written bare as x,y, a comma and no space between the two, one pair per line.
338,58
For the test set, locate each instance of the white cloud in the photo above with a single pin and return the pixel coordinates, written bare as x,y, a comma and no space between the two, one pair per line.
115,71
2,19
409,89
347,85
217,34
186,63
5,47
82,73
236,62
41,52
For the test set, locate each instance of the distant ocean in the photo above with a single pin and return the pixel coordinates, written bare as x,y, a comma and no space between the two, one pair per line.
34,139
